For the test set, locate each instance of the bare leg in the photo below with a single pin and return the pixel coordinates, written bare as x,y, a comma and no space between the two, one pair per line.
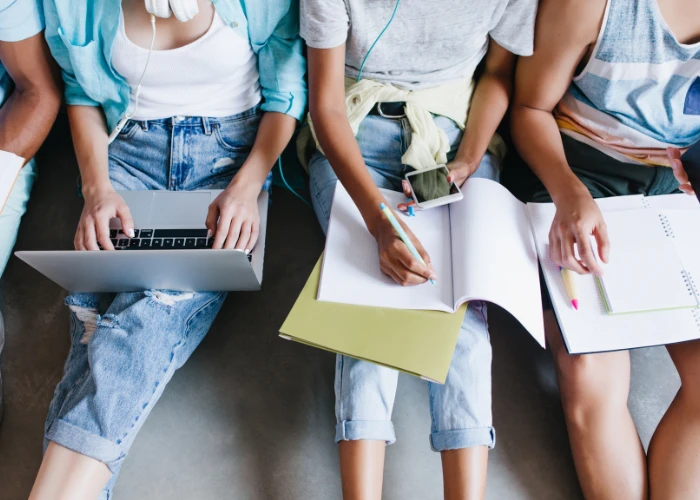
362,469
464,473
609,457
67,475
674,452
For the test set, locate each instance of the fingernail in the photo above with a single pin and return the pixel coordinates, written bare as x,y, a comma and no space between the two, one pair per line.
247,251
209,233
130,233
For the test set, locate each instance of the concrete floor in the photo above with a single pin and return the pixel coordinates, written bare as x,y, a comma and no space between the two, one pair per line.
251,416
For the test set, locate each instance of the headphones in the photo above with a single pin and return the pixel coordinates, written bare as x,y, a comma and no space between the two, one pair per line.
393,15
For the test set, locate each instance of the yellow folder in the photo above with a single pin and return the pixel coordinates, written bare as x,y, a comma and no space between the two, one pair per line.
420,343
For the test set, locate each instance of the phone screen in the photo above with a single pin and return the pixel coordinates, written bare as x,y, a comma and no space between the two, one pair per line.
431,185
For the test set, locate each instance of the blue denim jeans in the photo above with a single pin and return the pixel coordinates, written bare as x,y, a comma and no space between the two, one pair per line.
125,347
460,409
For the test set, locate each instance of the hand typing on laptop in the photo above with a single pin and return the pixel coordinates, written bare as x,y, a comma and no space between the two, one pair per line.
101,205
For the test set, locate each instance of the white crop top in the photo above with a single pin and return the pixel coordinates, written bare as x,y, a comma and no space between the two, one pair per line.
216,75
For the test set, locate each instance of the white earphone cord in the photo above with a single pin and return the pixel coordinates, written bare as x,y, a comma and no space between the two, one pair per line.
129,116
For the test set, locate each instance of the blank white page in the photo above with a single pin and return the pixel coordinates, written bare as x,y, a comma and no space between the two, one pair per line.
351,273
645,272
591,328
10,166
494,256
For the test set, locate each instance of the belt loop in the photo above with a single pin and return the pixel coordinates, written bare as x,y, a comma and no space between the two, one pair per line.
206,124
144,125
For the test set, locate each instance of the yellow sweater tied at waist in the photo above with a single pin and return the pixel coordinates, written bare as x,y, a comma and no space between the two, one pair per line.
429,143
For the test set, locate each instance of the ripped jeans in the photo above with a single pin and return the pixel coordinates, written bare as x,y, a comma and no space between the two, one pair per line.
126,347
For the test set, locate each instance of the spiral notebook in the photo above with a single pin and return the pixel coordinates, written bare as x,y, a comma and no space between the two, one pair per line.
655,261
592,328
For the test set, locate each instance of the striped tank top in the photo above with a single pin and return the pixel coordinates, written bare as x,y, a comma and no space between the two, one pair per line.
639,92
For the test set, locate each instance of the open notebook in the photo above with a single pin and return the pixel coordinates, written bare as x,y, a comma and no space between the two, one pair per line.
10,166
656,261
591,328
481,249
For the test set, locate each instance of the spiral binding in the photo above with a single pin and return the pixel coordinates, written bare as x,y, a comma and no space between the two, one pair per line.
666,224
646,203
690,284
696,317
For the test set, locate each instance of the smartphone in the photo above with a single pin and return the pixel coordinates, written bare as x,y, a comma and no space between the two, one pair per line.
691,163
430,188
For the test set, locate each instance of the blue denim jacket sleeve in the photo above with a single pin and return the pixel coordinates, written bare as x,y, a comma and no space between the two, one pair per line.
281,63
63,50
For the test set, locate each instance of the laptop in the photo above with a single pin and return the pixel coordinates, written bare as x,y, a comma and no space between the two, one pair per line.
170,251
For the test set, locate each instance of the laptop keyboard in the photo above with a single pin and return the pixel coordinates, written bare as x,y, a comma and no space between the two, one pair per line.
162,239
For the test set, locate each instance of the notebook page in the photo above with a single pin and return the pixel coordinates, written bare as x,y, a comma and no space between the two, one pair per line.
684,226
494,257
351,272
10,166
644,272
591,328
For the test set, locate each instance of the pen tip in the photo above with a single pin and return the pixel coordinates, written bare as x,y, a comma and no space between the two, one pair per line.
382,206
575,304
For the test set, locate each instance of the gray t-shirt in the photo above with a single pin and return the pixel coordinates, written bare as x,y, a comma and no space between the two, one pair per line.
429,42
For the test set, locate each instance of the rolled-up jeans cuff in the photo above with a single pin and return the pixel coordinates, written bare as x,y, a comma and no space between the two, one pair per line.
86,443
463,438
355,430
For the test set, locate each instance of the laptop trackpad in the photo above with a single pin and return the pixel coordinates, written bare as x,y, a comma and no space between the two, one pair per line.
182,210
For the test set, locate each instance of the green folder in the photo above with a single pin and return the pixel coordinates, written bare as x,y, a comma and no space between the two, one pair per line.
420,343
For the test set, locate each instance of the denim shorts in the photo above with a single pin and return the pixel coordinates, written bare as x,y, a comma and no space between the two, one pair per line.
125,347
460,409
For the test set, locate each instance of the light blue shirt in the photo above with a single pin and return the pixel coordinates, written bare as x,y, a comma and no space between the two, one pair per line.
80,34
19,20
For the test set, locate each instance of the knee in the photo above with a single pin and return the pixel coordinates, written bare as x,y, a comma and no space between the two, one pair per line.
586,386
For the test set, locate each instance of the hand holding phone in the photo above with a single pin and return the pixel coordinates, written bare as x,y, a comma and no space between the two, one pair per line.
430,187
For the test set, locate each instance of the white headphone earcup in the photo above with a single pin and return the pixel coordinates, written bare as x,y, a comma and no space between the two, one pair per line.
184,10
159,8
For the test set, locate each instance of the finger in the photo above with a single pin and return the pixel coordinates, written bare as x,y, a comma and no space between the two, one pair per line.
124,215
222,229
244,237
686,188
406,186
390,272
407,277
568,258
679,172
603,241
78,240
89,237
404,261
587,255
458,176
102,230
233,233
212,218
402,207
674,154
254,235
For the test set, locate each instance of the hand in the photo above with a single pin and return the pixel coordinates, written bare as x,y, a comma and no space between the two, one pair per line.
184,10
101,206
460,171
396,261
674,156
577,218
234,218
